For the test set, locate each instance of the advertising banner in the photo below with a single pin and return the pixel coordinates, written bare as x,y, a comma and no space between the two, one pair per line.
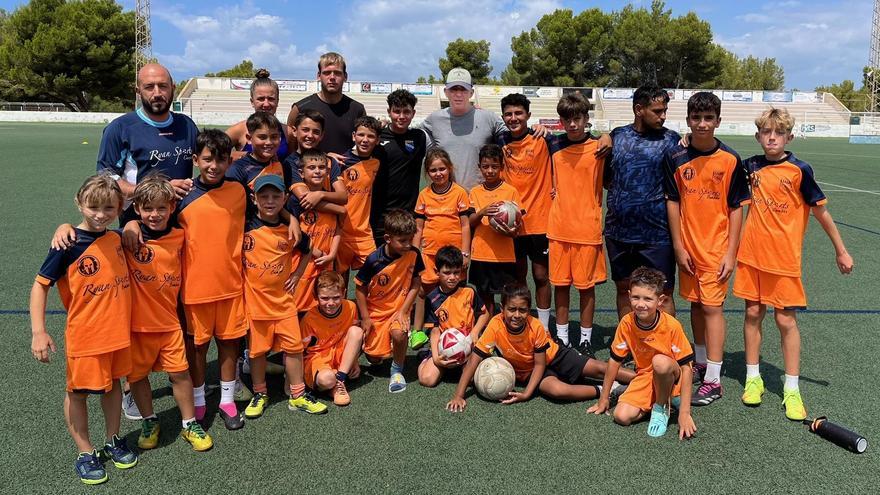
419,89
736,96
812,97
292,85
776,97
240,84
538,92
373,87
614,93
498,90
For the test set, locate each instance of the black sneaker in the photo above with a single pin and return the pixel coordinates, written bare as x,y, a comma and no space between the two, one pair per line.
89,468
707,394
117,451
699,373
615,394
231,422
586,349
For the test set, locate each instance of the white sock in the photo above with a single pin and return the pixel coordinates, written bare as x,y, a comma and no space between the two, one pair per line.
185,423
791,383
586,334
752,371
227,392
544,317
700,354
199,395
713,372
562,333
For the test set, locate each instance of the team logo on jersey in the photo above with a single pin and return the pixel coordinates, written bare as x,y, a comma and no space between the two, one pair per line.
283,246
688,173
409,145
384,279
88,265
248,244
352,174
144,254
718,176
785,183
310,217
442,315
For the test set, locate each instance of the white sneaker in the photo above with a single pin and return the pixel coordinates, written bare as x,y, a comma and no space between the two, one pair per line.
242,393
129,408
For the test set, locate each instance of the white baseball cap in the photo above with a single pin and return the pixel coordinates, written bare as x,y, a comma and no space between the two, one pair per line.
458,77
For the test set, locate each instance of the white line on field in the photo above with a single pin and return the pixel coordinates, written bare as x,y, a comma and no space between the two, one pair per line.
851,189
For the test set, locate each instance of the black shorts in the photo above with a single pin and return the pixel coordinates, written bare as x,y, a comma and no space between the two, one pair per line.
534,246
490,276
626,257
568,366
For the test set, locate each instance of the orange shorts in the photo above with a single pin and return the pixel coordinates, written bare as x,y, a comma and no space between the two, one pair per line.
429,275
97,374
223,320
328,360
353,253
581,265
640,392
156,351
275,335
377,343
705,288
779,291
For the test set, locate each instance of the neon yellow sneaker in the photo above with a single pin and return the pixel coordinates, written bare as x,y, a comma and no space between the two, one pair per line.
417,339
306,403
197,437
149,437
753,392
256,406
794,405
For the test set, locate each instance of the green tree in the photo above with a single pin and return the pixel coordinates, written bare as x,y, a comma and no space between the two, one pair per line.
428,80
854,99
468,54
243,70
748,73
68,52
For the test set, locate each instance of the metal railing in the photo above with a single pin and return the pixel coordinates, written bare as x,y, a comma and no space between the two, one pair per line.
32,106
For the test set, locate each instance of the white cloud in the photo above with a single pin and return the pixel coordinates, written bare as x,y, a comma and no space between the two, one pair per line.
754,17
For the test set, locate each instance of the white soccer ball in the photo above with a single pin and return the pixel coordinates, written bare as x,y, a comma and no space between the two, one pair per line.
454,345
508,214
494,378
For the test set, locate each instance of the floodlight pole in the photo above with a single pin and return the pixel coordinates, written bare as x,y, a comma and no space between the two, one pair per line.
143,40
873,81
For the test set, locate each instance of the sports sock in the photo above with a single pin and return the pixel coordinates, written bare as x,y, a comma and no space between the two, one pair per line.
341,376
185,423
544,317
260,388
752,371
562,332
599,389
153,416
199,395
586,334
713,372
791,383
396,368
700,354
297,390
227,397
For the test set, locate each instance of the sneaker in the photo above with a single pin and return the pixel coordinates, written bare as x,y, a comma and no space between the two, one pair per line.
231,422
129,408
89,468
707,394
117,451
257,406
699,373
754,389
306,403
794,405
242,393
149,437
617,389
197,437
417,339
659,421
340,394
586,349
397,383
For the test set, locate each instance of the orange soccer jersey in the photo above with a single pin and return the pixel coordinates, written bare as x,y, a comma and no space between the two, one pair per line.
95,289
320,226
708,186
358,176
247,169
665,336
783,192
323,334
388,280
267,265
459,309
442,212
517,348
212,217
488,244
155,270
576,211
528,169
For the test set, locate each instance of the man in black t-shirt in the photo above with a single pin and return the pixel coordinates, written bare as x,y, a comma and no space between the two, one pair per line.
339,111
397,183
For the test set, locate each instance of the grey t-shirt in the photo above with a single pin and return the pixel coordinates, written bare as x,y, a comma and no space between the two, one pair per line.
462,136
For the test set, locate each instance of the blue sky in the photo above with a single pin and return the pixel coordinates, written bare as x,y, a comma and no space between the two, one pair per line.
817,42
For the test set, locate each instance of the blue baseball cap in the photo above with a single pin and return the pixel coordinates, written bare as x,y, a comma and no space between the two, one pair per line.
268,180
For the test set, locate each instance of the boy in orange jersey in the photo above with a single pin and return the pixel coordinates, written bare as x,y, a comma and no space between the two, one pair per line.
662,355
95,288
769,259
493,259
705,185
449,306
321,225
359,172
156,337
333,339
386,287
269,279
539,362
264,134
574,226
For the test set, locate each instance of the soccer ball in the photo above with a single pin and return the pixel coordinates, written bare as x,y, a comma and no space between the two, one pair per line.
494,378
454,345
508,214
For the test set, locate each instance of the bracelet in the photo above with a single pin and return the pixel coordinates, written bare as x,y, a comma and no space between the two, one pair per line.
466,255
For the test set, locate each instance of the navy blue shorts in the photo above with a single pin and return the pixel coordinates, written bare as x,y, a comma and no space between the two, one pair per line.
626,257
